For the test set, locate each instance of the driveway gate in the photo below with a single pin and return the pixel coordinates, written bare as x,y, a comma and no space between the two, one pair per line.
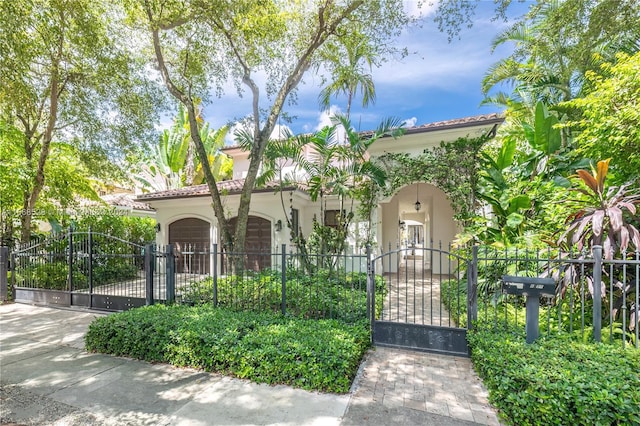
85,269
412,313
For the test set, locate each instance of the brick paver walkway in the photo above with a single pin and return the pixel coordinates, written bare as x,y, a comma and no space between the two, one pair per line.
406,387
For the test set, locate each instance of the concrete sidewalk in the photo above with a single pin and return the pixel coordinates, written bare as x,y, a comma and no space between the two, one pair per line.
48,379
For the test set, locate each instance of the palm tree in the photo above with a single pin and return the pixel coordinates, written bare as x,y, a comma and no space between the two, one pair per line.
539,65
173,163
325,165
557,42
348,62
165,168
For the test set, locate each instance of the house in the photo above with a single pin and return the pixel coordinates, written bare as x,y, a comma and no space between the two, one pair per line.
125,203
185,215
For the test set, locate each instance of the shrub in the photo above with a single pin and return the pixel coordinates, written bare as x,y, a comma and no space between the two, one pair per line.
321,355
113,270
324,295
557,381
50,276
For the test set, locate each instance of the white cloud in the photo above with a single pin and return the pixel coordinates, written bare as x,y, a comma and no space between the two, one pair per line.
278,131
324,118
410,122
166,121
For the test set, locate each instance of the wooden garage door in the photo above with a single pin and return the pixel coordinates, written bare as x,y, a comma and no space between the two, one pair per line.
257,244
191,239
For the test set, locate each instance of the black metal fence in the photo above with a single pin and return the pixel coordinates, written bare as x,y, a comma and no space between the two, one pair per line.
594,298
79,268
414,288
300,284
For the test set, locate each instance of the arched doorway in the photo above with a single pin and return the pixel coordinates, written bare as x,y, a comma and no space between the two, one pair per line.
257,244
192,242
404,225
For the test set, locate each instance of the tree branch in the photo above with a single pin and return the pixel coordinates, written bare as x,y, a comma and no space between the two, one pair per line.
187,101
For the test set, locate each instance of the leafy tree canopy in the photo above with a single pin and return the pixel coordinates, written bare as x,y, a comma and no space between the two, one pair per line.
609,124
556,42
202,47
68,75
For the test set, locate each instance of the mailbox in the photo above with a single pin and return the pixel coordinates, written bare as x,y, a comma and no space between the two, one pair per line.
528,286
532,288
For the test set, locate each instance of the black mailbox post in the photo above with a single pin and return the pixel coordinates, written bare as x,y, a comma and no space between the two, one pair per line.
532,288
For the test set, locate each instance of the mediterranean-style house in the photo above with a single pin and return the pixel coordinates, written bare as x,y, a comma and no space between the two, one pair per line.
185,215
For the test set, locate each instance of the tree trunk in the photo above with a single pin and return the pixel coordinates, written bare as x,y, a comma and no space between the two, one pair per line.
189,167
189,103
31,197
261,136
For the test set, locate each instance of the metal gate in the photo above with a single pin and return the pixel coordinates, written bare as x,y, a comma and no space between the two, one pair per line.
411,312
85,269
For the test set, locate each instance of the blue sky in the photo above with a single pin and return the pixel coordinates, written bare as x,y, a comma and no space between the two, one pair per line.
440,81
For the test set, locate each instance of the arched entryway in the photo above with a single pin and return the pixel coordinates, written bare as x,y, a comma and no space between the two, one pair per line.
191,239
418,216
257,243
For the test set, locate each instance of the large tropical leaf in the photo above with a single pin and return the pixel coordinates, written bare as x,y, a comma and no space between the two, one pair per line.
506,154
519,202
588,180
547,137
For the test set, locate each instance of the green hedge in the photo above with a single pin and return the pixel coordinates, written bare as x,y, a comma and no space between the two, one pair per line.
321,355
342,296
557,381
50,276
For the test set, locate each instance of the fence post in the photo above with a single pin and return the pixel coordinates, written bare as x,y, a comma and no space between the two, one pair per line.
12,269
90,272
472,289
4,268
149,264
215,275
284,279
371,288
170,274
70,260
597,293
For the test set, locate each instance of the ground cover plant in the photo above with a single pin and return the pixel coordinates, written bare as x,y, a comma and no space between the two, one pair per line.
556,380
563,377
325,294
321,355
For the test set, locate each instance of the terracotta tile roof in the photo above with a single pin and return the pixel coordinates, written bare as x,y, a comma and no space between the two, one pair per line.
458,122
227,186
474,120
125,200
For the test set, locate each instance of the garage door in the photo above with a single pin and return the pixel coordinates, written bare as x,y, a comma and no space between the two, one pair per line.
190,237
258,242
